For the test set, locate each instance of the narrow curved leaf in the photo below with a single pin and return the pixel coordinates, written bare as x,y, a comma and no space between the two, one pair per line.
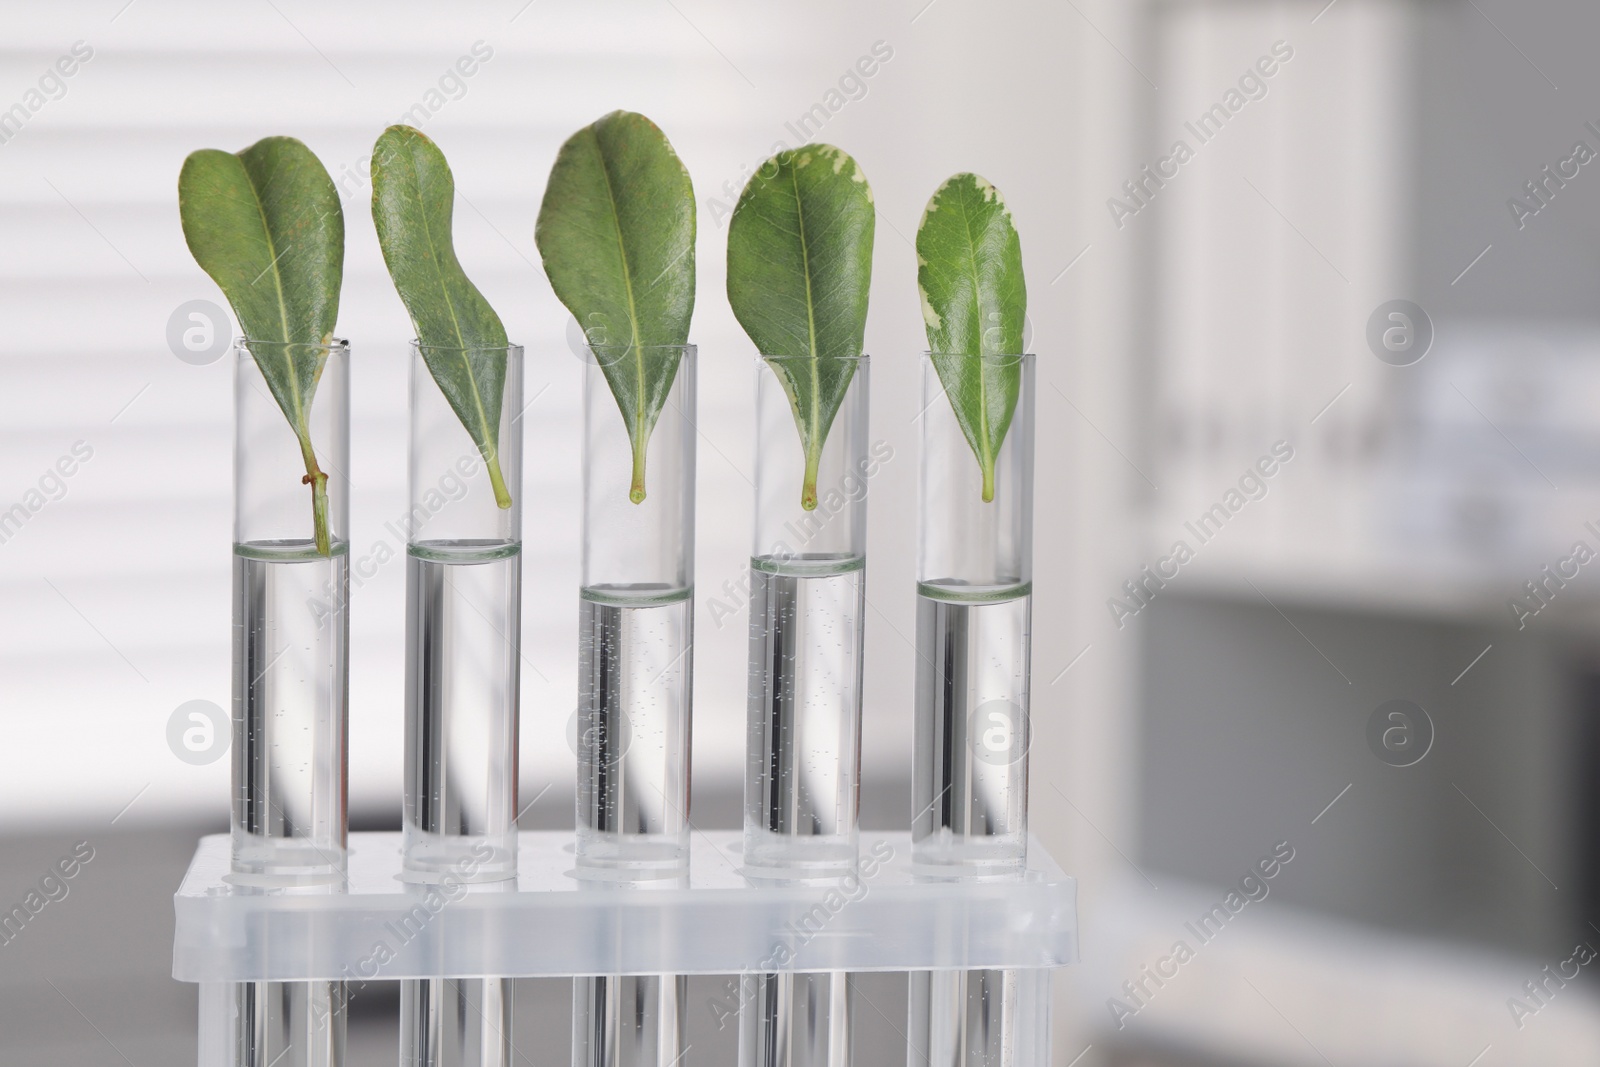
463,341
799,267
616,233
969,274
266,224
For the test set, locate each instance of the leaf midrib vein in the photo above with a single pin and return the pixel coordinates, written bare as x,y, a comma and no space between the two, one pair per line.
627,288
983,399
814,416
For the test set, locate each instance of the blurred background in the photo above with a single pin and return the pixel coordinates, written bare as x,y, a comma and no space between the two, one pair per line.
1313,288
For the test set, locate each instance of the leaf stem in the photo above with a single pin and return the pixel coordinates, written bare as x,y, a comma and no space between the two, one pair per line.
988,480
318,480
319,513
808,490
497,481
636,490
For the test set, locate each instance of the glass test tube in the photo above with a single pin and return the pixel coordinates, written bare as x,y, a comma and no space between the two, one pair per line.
290,674
807,575
636,673
803,752
463,623
636,622
970,768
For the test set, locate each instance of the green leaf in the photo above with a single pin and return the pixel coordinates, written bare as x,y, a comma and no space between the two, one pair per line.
616,232
266,224
463,342
969,273
799,266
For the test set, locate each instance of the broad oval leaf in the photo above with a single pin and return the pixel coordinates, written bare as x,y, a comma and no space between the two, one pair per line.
799,267
462,339
616,232
267,225
969,275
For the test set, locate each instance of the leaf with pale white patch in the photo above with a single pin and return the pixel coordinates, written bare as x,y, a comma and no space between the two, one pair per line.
799,267
974,304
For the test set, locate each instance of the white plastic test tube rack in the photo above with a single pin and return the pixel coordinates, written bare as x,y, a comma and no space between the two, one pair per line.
547,923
